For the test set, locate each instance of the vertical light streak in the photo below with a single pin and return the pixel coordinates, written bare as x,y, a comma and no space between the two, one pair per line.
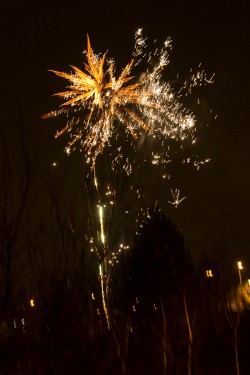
95,181
102,235
103,295
240,267
96,184
101,224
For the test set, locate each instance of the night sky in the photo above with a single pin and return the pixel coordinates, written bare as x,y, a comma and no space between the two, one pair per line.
41,35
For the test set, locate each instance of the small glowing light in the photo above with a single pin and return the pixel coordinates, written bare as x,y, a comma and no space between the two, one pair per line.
248,282
134,308
155,307
54,164
92,296
23,324
137,300
98,312
32,303
209,273
240,265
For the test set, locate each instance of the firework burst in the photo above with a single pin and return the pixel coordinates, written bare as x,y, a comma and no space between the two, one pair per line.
97,101
103,108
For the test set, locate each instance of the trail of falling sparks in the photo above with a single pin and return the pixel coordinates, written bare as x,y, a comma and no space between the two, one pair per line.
99,100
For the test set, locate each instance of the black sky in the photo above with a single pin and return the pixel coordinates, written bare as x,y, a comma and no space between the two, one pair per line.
41,35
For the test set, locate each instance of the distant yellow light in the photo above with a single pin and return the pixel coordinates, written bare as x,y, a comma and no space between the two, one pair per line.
209,273
32,303
248,282
93,296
